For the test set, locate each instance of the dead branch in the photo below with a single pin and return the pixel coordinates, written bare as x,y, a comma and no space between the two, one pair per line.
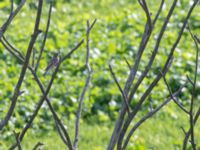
25,65
81,98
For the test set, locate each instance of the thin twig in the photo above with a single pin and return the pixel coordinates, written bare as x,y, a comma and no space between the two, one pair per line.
11,51
197,39
190,81
173,98
183,131
71,51
81,98
33,57
158,12
128,64
143,43
185,141
45,37
17,140
38,145
120,89
60,132
146,10
11,16
14,49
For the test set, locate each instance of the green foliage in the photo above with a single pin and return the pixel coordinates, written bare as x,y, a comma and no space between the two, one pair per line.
166,135
116,35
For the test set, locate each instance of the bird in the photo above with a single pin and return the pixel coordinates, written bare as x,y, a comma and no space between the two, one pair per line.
53,63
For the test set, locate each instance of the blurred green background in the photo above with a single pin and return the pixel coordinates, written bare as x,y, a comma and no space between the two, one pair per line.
117,34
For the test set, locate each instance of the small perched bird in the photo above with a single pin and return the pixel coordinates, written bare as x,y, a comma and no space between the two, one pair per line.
53,63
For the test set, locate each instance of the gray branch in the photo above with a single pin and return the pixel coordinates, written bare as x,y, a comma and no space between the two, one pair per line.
81,98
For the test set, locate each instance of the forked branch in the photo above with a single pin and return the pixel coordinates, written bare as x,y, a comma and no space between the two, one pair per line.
81,98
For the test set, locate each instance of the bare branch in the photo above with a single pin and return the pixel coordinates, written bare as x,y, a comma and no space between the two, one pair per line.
190,81
173,98
42,99
42,89
17,140
24,68
81,98
141,101
154,53
187,135
170,56
120,89
33,57
11,16
197,38
131,77
183,131
128,64
10,50
56,118
146,10
69,54
10,45
62,136
122,133
158,12
45,37
39,106
143,43
150,114
193,94
57,121
18,55
39,144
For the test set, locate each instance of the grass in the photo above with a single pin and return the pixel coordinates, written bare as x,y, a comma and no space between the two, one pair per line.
162,132
116,33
